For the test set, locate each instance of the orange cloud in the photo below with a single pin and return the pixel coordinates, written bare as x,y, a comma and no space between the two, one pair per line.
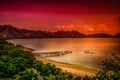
67,27
88,28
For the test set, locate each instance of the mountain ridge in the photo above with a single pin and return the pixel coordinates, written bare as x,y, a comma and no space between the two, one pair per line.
10,32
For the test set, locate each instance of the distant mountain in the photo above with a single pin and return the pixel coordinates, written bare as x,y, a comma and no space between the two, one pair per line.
101,35
68,34
117,35
9,32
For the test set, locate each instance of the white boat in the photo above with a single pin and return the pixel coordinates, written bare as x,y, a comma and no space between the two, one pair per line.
88,52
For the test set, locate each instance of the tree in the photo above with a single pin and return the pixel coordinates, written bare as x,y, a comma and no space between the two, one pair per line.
2,41
38,65
19,63
77,78
3,67
111,69
27,75
11,70
5,58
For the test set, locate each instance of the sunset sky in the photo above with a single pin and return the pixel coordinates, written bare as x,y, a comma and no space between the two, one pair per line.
86,16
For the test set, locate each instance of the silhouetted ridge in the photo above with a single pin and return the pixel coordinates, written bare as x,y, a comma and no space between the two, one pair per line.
67,34
117,35
9,31
101,35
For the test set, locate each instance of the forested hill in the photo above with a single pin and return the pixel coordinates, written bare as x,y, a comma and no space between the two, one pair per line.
11,32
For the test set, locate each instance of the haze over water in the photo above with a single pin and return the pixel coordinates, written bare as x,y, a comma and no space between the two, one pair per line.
102,48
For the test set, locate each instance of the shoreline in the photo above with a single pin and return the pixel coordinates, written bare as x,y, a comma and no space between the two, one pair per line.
71,68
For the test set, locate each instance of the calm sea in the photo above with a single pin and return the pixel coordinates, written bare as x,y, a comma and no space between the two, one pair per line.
101,48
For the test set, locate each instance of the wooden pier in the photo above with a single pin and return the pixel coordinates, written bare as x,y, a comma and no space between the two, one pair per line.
53,54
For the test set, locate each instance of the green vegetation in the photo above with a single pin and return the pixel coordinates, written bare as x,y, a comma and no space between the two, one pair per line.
17,64
14,61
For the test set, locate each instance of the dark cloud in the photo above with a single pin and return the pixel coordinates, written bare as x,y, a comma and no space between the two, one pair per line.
63,6
111,3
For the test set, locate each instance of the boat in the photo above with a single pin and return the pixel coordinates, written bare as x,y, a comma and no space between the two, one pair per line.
88,52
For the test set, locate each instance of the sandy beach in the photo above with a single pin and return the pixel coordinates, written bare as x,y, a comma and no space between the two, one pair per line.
72,68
